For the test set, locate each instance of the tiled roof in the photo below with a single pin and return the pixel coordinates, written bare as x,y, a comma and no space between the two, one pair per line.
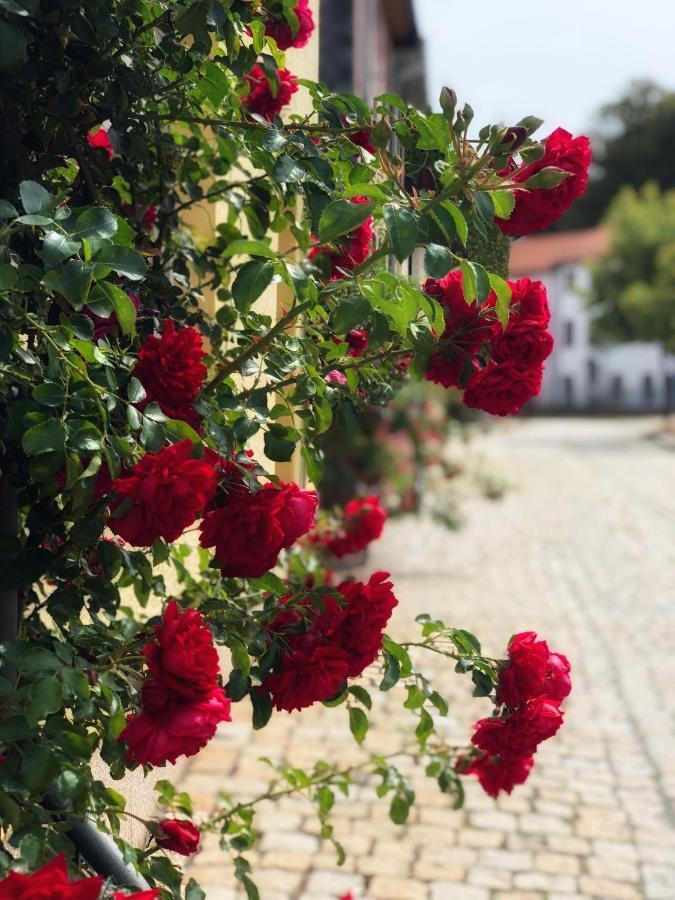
541,253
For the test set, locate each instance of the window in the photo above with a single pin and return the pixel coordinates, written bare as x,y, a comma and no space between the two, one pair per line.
568,390
592,372
568,337
617,388
648,389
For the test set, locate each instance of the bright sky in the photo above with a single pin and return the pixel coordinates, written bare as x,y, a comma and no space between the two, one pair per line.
559,61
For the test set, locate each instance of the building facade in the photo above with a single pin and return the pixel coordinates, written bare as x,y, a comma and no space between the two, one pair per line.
636,376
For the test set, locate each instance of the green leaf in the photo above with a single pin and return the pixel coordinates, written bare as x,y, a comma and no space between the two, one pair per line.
8,277
34,198
56,247
361,695
76,281
458,218
13,48
358,723
392,672
7,211
402,227
249,248
122,260
277,445
262,709
44,438
350,312
181,430
341,217
125,311
135,391
503,202
438,260
46,696
252,279
399,809
288,171
503,292
49,394
98,222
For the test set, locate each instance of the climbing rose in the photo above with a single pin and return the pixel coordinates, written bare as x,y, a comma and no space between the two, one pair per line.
362,523
179,836
520,733
250,531
524,341
282,32
502,388
260,99
496,774
183,656
538,208
357,341
171,369
362,139
354,247
51,882
100,140
336,377
168,727
533,670
343,636
529,301
168,491
467,327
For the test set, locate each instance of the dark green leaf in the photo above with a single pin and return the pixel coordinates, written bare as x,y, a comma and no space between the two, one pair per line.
34,197
13,48
122,260
340,217
277,445
56,247
8,277
48,394
358,723
125,311
7,211
402,227
252,279
97,222
438,260
44,438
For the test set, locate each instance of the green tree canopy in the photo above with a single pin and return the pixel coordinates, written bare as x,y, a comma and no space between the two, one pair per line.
634,287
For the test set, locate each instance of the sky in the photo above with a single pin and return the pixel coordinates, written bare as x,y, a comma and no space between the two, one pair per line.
558,61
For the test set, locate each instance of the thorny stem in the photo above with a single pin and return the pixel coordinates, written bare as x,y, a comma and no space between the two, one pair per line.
243,123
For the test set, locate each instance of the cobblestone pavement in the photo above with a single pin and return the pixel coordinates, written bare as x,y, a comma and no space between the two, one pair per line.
582,550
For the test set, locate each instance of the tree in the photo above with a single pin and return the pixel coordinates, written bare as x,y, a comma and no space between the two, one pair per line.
632,145
128,411
633,291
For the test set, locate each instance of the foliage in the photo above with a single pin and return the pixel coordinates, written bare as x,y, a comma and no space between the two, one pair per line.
119,116
633,291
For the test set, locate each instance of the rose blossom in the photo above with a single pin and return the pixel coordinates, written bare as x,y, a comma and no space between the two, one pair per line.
533,670
496,774
521,732
260,99
467,327
183,656
362,523
307,677
171,369
152,894
282,32
178,835
101,140
525,342
355,247
502,388
357,341
168,727
538,208
168,491
50,882
369,608
336,377
250,531
529,300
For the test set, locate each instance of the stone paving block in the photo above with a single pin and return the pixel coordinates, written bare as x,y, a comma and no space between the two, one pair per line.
444,890
397,889
613,868
538,881
531,823
473,837
659,881
506,859
557,864
490,878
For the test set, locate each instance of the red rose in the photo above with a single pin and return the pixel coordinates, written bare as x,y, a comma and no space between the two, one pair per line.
533,670
178,835
282,32
152,894
529,301
496,774
260,98
168,491
362,523
336,377
362,139
171,369
167,728
150,217
100,140
520,733
369,608
251,530
538,208
524,341
183,656
51,882
357,341
502,388
307,677
467,327
355,247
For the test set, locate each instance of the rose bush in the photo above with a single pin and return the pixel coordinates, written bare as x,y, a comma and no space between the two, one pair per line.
129,405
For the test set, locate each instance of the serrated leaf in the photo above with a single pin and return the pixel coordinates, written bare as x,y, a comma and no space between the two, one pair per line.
252,279
56,247
96,222
341,217
122,260
458,218
358,724
124,309
503,202
34,198
402,228
44,438
438,260
503,292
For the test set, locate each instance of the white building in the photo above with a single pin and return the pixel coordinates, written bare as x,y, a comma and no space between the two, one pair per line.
635,376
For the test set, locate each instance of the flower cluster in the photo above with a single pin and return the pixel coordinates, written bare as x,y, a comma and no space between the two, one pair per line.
52,882
500,369
540,207
265,100
171,369
182,700
324,646
354,249
362,523
532,685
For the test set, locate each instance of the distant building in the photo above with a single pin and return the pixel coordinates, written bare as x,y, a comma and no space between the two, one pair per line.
633,376
368,47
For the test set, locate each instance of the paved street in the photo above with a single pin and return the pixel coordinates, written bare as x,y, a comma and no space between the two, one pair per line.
582,550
